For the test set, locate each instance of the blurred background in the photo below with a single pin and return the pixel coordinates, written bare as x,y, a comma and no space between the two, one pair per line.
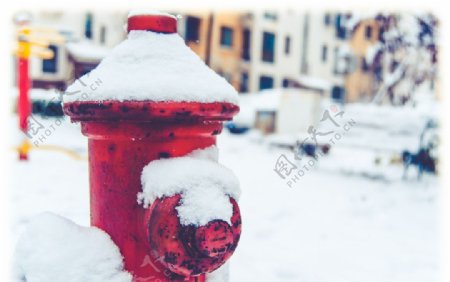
336,144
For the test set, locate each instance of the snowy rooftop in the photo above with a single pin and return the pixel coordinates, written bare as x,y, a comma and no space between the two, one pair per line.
314,82
48,95
87,51
265,100
151,66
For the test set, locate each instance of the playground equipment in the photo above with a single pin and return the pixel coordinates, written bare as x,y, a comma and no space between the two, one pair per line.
126,135
31,41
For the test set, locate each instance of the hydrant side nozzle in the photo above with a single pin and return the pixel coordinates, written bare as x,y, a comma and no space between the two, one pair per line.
189,250
153,22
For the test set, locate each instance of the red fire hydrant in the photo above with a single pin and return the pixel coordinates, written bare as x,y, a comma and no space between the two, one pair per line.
124,136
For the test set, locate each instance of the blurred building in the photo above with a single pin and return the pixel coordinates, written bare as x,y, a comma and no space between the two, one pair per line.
88,37
267,49
325,52
253,51
217,39
359,82
273,54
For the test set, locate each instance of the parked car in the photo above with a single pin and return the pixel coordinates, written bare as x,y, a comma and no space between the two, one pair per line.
236,129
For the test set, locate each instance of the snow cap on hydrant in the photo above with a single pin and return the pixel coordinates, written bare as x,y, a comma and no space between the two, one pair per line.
152,119
152,64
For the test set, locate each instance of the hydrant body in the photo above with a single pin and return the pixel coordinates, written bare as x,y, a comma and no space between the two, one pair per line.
123,137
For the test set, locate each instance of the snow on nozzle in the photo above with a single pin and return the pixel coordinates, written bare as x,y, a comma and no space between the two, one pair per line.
152,21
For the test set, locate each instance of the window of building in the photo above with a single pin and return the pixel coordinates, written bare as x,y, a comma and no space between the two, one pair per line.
285,83
103,34
246,35
364,65
226,36
344,64
268,47
88,26
338,93
324,53
287,45
270,16
341,30
327,19
192,29
243,88
51,65
265,82
368,32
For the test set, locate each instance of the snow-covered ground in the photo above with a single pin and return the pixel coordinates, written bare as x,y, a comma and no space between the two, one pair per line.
332,225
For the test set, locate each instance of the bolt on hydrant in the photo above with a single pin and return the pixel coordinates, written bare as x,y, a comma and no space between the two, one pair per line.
159,103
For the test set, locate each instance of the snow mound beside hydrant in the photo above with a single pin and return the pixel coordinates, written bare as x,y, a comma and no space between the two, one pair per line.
55,249
205,187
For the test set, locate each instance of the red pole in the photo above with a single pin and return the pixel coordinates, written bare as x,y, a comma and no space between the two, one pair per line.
23,105
24,100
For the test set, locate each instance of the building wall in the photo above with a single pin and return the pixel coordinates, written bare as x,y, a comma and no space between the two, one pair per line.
322,36
199,46
69,24
288,23
309,34
63,68
326,53
107,30
360,82
226,60
111,24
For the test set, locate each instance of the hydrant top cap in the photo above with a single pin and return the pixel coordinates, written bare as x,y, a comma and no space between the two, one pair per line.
151,21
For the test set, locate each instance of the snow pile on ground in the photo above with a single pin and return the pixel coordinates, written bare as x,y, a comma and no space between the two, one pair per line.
205,187
386,128
373,145
54,249
388,118
153,67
